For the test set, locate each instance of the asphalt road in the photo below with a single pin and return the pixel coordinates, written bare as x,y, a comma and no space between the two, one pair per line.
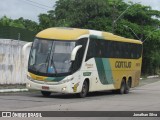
143,98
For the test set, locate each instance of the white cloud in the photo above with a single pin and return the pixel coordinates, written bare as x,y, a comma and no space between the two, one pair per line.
21,8
155,4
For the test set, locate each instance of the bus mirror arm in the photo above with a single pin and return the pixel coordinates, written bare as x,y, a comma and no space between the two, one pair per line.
25,47
74,52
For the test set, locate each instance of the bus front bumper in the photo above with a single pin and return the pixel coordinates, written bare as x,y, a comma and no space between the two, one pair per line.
60,88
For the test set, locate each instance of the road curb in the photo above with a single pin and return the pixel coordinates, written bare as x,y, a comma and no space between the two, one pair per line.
13,90
154,76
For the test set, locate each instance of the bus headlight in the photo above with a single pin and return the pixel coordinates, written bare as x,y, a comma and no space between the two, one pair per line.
29,78
28,85
64,88
67,79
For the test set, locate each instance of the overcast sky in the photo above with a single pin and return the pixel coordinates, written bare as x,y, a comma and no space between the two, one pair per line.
30,9
155,4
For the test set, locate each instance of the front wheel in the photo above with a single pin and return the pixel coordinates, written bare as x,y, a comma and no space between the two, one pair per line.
46,93
84,91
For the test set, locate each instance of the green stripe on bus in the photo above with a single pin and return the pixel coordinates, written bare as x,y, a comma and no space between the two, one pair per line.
101,71
87,73
104,70
108,70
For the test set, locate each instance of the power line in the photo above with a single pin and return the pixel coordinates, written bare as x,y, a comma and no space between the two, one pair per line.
132,31
35,5
38,3
151,33
114,21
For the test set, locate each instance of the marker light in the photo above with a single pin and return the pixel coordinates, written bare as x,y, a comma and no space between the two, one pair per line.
28,85
64,88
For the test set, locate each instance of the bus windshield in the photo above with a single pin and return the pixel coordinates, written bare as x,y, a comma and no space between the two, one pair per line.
51,56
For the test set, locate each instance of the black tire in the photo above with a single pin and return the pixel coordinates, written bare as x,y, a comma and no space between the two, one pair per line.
128,86
84,91
122,89
115,91
46,93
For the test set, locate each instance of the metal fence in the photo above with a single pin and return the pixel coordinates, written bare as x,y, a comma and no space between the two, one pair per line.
12,65
8,32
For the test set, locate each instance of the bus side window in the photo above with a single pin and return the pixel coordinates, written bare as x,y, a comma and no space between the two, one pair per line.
122,50
80,53
91,50
139,51
98,48
110,50
129,50
117,50
103,48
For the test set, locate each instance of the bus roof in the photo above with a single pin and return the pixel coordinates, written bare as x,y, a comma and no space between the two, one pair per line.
61,33
110,36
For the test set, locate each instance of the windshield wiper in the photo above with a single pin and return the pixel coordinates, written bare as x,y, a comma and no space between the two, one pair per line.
52,55
53,64
46,62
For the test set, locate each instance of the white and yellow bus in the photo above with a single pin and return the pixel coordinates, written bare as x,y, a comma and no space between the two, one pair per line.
70,60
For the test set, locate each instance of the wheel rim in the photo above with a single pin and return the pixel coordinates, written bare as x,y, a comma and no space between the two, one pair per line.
84,89
127,87
129,84
122,87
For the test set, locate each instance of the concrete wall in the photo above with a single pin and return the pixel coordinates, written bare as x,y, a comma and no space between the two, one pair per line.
12,65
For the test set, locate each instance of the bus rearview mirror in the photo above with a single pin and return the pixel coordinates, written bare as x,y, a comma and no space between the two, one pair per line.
74,52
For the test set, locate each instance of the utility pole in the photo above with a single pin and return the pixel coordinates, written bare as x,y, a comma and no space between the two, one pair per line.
114,21
19,36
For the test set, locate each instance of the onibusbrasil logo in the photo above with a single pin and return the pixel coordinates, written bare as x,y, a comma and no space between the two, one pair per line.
21,114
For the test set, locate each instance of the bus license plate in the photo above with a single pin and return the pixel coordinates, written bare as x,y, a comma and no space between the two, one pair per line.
45,87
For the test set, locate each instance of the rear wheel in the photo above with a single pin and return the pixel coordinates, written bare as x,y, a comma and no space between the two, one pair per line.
128,86
122,89
84,91
46,93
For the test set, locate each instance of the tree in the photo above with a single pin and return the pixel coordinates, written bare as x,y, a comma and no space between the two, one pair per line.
5,21
46,20
28,24
19,23
78,13
100,14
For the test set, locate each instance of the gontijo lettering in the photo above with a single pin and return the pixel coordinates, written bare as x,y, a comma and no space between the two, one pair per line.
123,64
